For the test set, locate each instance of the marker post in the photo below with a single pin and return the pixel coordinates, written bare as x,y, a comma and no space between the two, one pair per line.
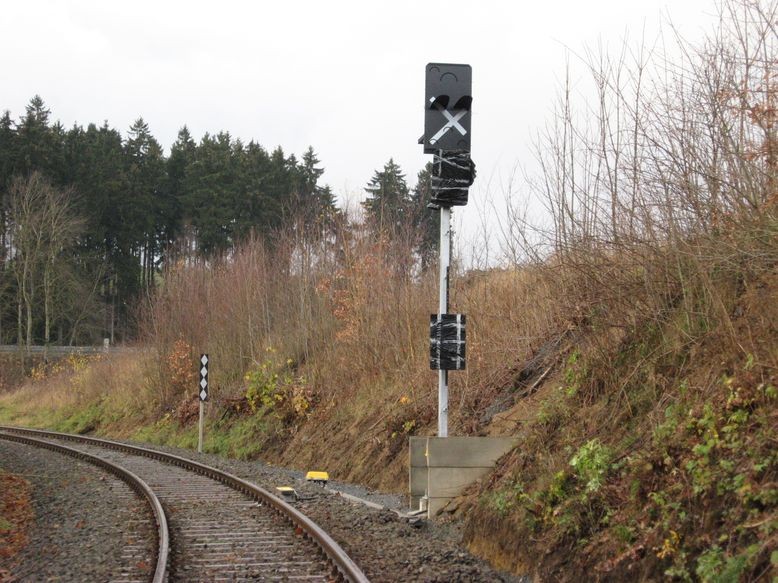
203,394
200,428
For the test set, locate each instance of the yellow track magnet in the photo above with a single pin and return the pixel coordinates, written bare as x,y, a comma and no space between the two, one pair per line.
317,477
287,491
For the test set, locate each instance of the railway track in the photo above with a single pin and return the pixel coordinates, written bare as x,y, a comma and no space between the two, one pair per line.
212,526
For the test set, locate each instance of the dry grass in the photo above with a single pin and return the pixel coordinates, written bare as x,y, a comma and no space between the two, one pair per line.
114,389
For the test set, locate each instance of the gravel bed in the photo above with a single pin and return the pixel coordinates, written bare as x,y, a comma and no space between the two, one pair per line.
88,524
386,546
216,532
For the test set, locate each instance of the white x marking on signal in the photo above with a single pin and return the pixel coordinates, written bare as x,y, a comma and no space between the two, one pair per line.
453,122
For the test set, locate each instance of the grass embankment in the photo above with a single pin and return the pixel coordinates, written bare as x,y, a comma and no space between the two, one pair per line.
653,455
114,396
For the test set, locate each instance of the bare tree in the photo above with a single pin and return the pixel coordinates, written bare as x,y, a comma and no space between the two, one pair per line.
44,229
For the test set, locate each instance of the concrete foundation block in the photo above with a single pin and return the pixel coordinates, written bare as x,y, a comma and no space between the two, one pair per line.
418,451
435,505
441,468
418,481
450,482
467,452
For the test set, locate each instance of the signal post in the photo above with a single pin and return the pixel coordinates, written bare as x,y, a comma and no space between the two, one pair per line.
442,467
447,121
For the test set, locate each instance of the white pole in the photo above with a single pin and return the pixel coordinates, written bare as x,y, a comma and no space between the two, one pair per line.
200,432
445,260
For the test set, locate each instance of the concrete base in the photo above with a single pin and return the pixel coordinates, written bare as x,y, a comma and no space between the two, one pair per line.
441,468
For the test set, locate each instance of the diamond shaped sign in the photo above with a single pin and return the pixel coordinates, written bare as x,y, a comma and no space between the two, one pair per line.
203,377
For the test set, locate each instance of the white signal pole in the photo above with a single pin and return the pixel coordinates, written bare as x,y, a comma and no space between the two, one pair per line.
445,261
201,427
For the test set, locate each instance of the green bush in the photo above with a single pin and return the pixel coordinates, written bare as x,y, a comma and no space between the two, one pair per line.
591,464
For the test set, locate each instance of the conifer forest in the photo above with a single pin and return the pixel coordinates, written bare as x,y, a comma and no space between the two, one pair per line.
91,216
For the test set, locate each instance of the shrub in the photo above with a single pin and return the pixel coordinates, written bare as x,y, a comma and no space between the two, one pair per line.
591,464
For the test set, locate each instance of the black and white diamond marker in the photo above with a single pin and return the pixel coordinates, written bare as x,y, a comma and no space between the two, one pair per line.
203,377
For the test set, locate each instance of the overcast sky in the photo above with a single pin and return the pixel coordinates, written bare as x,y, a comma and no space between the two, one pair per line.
346,77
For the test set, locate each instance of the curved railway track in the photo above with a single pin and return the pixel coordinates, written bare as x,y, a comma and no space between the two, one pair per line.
130,570
222,528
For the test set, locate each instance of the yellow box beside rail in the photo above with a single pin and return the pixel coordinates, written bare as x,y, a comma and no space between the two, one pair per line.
319,477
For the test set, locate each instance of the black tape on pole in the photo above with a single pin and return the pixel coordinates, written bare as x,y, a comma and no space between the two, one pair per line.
447,341
452,174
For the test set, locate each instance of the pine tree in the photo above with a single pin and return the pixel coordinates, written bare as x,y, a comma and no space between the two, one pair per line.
137,204
7,142
388,203
313,205
143,207
259,211
98,170
280,184
56,165
178,166
210,194
35,143
426,221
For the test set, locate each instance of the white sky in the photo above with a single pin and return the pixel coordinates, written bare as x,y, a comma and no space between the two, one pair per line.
346,77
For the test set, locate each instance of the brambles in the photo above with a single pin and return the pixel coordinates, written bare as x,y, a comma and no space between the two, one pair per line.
273,389
716,566
263,386
590,464
574,373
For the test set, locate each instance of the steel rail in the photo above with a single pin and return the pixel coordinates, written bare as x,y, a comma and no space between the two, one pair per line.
133,481
343,566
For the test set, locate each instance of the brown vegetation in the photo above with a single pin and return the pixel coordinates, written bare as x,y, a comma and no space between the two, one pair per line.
16,516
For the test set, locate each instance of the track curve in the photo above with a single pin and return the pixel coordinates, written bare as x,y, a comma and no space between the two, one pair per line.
201,546
133,481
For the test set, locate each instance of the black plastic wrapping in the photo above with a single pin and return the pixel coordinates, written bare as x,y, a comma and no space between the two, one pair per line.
452,174
447,342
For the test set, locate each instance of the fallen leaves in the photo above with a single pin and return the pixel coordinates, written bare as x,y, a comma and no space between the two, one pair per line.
15,517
